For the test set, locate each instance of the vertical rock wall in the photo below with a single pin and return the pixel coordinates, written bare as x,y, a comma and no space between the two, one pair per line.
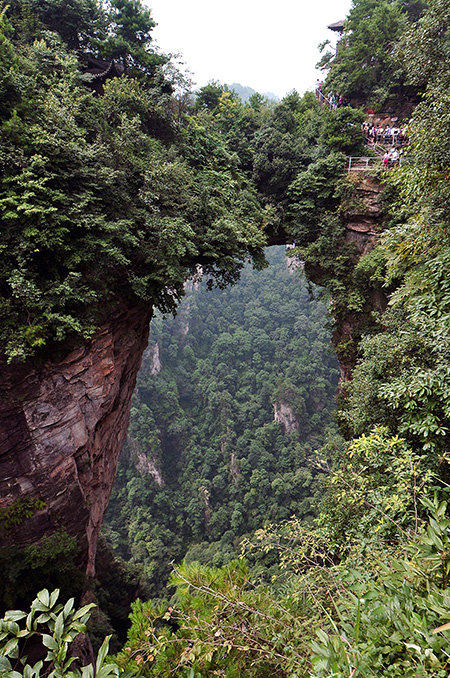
363,221
62,428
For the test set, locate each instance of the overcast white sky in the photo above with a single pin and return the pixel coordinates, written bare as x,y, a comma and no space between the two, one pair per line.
268,45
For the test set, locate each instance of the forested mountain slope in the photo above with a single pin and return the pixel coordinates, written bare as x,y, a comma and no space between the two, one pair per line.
205,459
365,593
121,196
106,209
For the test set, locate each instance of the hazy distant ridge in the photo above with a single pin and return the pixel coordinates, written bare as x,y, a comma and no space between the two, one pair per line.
246,92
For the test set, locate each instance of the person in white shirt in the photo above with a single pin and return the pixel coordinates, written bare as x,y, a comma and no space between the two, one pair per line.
394,155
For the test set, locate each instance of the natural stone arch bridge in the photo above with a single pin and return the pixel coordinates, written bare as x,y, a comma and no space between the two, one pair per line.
63,423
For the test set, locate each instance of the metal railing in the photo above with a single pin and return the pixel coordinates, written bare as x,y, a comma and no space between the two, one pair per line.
380,146
378,149
362,164
323,99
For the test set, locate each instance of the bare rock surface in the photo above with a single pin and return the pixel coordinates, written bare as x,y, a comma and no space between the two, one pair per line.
62,428
145,462
284,414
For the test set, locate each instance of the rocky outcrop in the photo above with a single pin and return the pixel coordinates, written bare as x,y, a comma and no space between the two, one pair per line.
363,220
293,263
62,428
284,414
362,214
145,462
152,359
235,468
362,217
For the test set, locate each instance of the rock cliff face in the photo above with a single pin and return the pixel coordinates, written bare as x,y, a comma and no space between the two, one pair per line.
145,462
62,428
362,214
284,414
363,221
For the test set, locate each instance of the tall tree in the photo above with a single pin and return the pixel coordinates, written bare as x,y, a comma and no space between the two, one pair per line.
364,67
129,38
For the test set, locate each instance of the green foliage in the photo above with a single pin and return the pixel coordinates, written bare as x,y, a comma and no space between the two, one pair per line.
391,626
219,621
207,97
279,152
129,41
8,91
54,547
115,200
365,68
51,559
381,618
373,490
402,379
56,626
312,193
425,49
77,189
73,20
340,131
402,382
19,511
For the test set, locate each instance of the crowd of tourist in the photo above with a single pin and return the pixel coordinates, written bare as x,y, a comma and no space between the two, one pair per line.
337,100
391,158
374,134
389,136
393,136
333,100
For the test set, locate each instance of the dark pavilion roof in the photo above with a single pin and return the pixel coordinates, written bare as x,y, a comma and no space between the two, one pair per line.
100,69
338,26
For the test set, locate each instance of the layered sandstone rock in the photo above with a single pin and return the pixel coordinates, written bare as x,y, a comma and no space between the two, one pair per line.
62,428
363,220
362,213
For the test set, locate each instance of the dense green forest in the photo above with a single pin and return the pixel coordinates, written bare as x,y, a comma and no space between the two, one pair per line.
357,583
205,461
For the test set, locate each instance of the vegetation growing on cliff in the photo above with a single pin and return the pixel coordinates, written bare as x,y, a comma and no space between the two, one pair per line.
365,67
104,200
381,617
364,590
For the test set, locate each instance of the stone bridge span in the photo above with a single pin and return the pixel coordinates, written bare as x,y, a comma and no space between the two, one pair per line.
63,423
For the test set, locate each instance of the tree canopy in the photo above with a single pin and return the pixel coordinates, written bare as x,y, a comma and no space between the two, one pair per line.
366,67
103,179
